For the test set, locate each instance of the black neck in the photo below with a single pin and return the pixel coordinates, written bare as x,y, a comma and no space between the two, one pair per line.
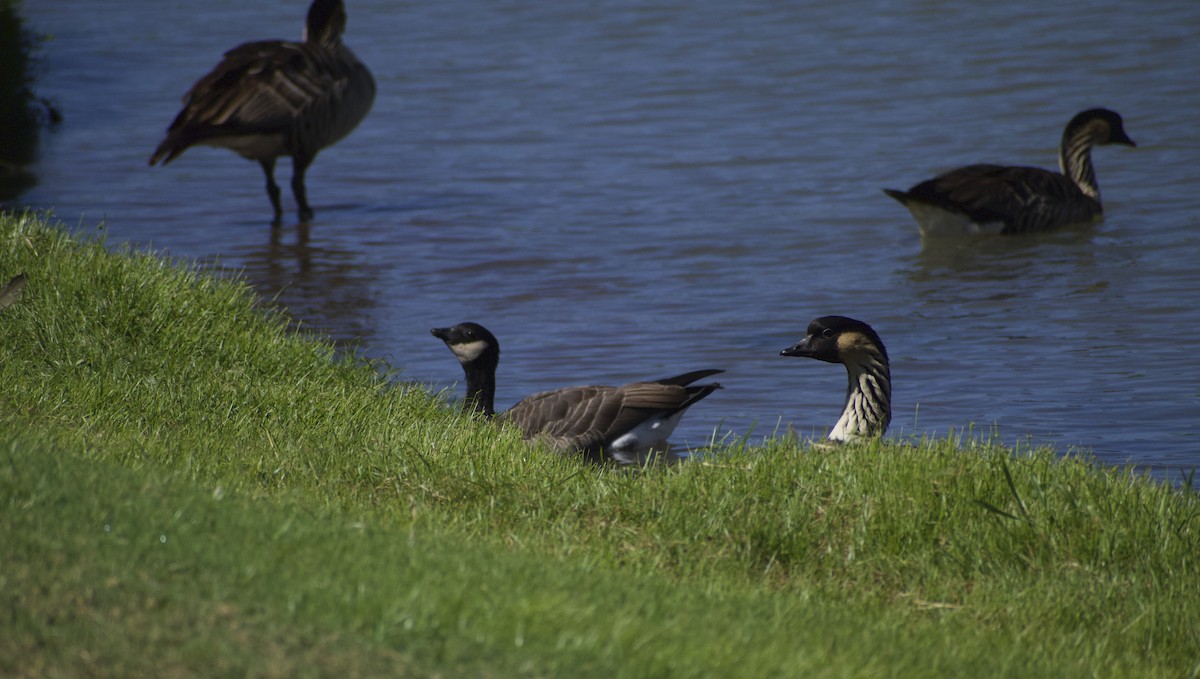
481,387
325,23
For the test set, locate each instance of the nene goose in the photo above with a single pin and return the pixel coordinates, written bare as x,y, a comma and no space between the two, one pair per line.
275,98
991,199
854,344
623,424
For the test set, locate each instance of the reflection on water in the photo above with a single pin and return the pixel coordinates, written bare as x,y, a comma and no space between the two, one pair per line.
994,257
623,192
327,287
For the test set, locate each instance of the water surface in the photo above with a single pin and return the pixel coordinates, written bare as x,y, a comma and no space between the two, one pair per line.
629,190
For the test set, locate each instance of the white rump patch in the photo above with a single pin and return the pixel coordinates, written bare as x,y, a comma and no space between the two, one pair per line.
651,434
935,222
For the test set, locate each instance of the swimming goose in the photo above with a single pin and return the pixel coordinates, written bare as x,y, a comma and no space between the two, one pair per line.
275,98
620,423
991,199
854,344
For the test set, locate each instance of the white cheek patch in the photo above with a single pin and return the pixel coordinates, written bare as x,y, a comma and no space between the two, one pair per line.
469,351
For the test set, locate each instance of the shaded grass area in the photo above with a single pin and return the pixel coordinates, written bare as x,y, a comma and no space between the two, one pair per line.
365,518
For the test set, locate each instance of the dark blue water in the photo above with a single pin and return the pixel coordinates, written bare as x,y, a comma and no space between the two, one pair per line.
629,190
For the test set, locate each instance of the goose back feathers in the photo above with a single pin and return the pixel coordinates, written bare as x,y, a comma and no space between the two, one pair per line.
276,98
622,423
837,339
1001,199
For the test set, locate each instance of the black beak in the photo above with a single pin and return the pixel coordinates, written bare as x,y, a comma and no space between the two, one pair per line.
801,348
441,333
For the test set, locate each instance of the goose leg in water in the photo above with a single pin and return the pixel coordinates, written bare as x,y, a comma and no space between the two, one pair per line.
268,167
300,163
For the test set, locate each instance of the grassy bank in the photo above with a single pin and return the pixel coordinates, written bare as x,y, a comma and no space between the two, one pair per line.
184,478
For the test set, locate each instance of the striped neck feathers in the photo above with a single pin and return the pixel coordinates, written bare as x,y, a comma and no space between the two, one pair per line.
868,408
1075,156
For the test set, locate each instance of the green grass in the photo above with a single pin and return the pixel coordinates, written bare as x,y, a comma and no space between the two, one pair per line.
190,486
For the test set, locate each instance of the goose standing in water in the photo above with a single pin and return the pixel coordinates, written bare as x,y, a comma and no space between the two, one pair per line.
854,344
1000,199
275,98
622,423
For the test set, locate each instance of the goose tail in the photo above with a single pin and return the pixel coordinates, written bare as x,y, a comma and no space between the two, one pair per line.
687,378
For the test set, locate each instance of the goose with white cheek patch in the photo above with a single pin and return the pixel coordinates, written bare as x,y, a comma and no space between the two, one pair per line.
623,424
854,344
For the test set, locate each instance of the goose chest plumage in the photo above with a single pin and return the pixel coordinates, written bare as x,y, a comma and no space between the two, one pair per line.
623,424
1003,199
276,98
854,344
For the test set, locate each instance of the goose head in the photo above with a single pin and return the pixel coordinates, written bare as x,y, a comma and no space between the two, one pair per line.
1100,125
854,344
471,343
478,352
837,339
326,21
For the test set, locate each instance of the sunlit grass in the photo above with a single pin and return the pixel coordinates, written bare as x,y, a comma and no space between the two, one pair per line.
320,516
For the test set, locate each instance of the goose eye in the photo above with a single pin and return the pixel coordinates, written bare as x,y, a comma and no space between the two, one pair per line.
827,332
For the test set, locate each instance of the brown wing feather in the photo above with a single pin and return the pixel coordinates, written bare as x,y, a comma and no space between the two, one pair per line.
270,87
587,418
687,378
1023,198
